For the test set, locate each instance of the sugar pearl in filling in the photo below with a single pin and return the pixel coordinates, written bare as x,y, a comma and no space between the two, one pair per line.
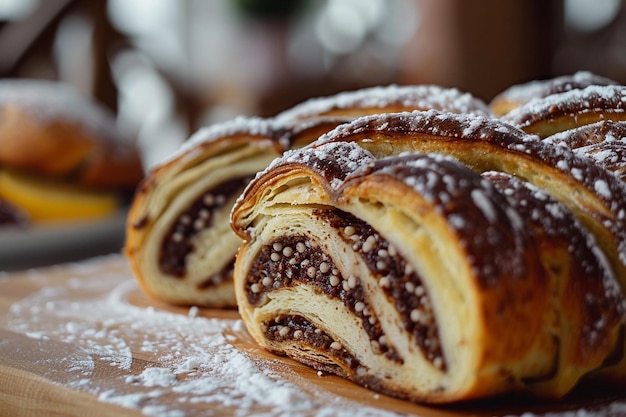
198,224
438,362
352,281
300,247
209,200
416,315
369,244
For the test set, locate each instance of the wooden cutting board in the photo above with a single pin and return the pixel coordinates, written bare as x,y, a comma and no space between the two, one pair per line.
82,339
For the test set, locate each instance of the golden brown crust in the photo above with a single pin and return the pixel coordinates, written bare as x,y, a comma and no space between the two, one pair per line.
586,296
48,129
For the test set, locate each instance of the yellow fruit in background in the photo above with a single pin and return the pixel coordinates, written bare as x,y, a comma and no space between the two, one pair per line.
48,201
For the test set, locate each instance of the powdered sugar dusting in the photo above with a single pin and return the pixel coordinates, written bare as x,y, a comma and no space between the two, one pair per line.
265,133
592,98
334,160
160,362
482,201
431,122
602,188
422,97
522,93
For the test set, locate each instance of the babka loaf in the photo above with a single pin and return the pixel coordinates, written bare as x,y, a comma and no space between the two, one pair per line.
411,239
179,240
437,257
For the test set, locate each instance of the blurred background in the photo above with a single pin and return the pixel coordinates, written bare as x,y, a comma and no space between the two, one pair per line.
168,67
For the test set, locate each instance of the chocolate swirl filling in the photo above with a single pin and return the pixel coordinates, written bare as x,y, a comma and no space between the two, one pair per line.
178,242
294,258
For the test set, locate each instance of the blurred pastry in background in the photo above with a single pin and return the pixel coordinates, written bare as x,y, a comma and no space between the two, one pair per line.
62,157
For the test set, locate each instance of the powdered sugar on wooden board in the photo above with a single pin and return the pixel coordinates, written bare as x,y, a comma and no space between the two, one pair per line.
160,362
95,332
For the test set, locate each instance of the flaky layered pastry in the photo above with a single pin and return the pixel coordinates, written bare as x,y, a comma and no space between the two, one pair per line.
179,240
375,255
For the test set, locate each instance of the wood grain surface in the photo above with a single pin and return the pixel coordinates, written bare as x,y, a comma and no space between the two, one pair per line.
82,339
